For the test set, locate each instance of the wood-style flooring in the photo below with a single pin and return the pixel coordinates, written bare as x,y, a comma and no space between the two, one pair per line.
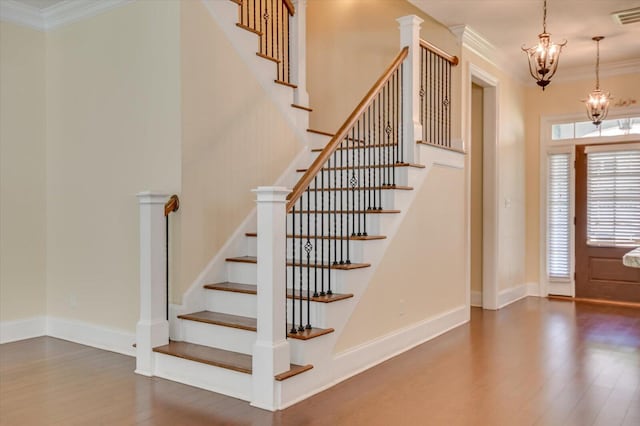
536,362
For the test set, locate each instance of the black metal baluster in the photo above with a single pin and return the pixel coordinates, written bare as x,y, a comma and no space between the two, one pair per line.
394,151
307,248
367,169
322,270
322,293
449,105
380,142
401,142
315,237
300,301
278,16
293,269
345,190
360,172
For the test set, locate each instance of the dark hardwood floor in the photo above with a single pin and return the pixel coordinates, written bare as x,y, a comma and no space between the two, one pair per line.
536,362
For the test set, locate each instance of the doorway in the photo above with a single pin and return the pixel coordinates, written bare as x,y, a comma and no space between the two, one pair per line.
607,221
477,117
482,189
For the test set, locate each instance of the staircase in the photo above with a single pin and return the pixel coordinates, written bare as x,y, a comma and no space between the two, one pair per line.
350,194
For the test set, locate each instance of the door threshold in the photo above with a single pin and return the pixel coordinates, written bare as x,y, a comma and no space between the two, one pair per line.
595,301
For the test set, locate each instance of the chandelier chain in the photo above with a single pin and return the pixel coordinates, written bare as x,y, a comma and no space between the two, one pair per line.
597,64
544,18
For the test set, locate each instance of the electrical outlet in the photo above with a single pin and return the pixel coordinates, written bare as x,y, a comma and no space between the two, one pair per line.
73,301
401,307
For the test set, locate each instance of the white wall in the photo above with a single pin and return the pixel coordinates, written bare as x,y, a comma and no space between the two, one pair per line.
113,129
22,173
234,139
422,274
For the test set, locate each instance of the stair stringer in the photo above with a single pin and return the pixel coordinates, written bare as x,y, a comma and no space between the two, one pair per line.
225,14
331,368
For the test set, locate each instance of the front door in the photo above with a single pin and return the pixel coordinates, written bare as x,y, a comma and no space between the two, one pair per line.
607,221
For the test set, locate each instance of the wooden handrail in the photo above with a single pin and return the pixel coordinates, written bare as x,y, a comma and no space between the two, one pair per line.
290,7
316,166
172,205
453,60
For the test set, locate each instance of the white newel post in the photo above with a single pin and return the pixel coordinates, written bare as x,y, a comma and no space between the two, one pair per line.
271,350
412,129
298,58
153,328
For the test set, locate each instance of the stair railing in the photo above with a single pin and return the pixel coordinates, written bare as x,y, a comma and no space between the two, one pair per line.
435,94
329,205
270,19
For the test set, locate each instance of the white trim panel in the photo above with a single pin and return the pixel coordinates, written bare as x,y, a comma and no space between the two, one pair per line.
93,335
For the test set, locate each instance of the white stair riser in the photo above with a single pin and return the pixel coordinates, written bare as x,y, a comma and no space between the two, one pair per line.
239,272
332,224
379,176
242,273
324,247
229,302
370,155
204,376
318,141
321,313
346,200
216,336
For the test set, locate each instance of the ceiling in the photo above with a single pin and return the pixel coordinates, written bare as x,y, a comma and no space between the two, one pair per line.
509,24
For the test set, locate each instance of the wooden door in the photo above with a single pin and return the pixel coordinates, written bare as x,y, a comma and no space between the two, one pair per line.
600,273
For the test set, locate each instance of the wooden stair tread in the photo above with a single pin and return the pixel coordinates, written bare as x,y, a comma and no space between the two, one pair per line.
253,259
251,30
293,371
222,358
225,320
285,83
329,237
366,188
435,145
233,287
376,145
270,58
252,289
310,333
372,211
375,166
302,107
320,132
207,355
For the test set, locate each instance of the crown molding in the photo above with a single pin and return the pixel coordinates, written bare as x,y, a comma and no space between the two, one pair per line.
60,14
607,69
20,13
475,42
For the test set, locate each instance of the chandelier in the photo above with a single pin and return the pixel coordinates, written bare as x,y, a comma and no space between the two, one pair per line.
543,58
598,102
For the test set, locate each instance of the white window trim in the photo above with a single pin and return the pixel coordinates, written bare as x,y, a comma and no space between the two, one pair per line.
548,146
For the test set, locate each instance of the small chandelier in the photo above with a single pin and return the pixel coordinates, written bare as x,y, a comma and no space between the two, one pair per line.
598,102
543,58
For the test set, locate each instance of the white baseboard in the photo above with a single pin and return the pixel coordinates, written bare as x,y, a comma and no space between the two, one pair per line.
476,298
92,335
533,289
510,295
11,331
362,357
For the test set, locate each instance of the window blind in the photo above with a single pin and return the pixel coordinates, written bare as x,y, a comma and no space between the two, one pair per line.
558,215
613,197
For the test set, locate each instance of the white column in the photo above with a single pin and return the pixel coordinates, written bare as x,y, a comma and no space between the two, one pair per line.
153,328
271,350
299,52
412,129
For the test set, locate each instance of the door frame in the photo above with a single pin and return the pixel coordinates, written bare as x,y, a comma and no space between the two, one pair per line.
548,146
490,210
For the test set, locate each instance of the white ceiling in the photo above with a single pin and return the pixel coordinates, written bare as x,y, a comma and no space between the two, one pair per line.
508,24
